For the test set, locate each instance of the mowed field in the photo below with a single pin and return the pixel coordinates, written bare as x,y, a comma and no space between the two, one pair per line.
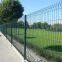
48,40
42,38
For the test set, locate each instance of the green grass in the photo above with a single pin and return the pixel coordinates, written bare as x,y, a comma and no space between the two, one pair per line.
43,38
49,41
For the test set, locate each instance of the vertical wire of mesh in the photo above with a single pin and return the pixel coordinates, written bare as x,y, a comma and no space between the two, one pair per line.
52,17
61,27
41,34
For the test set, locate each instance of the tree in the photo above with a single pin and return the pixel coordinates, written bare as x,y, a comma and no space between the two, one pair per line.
39,25
45,25
21,24
27,24
34,25
56,27
11,11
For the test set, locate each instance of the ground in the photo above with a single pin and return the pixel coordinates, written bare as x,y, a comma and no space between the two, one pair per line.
49,41
8,53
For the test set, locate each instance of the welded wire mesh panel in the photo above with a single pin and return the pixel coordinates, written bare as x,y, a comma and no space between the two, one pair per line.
44,34
3,28
40,33
15,33
18,34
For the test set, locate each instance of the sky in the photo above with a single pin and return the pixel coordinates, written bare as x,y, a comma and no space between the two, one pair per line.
34,5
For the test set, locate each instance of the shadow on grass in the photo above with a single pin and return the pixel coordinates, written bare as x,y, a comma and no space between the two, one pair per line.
31,37
20,34
55,48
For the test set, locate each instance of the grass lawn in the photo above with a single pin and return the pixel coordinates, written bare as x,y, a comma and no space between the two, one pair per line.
48,40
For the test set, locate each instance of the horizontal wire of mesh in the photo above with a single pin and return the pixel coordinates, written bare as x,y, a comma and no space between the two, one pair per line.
43,34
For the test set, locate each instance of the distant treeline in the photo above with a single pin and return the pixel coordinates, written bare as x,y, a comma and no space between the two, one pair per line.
39,25
54,27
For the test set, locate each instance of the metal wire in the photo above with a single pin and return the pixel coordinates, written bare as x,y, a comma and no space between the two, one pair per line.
42,42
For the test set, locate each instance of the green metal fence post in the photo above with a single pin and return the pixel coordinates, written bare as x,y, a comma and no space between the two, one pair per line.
25,38
11,34
18,29
6,31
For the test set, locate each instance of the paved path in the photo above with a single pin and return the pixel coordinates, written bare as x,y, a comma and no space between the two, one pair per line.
8,53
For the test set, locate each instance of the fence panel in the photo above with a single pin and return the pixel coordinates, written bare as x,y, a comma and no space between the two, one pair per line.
38,36
44,33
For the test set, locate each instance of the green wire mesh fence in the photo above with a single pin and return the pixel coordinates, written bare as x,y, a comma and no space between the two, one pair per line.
38,36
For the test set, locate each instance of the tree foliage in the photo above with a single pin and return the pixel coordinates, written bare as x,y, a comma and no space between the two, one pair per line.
10,11
40,25
56,27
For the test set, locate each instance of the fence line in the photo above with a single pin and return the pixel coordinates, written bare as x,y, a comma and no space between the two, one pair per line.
40,33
